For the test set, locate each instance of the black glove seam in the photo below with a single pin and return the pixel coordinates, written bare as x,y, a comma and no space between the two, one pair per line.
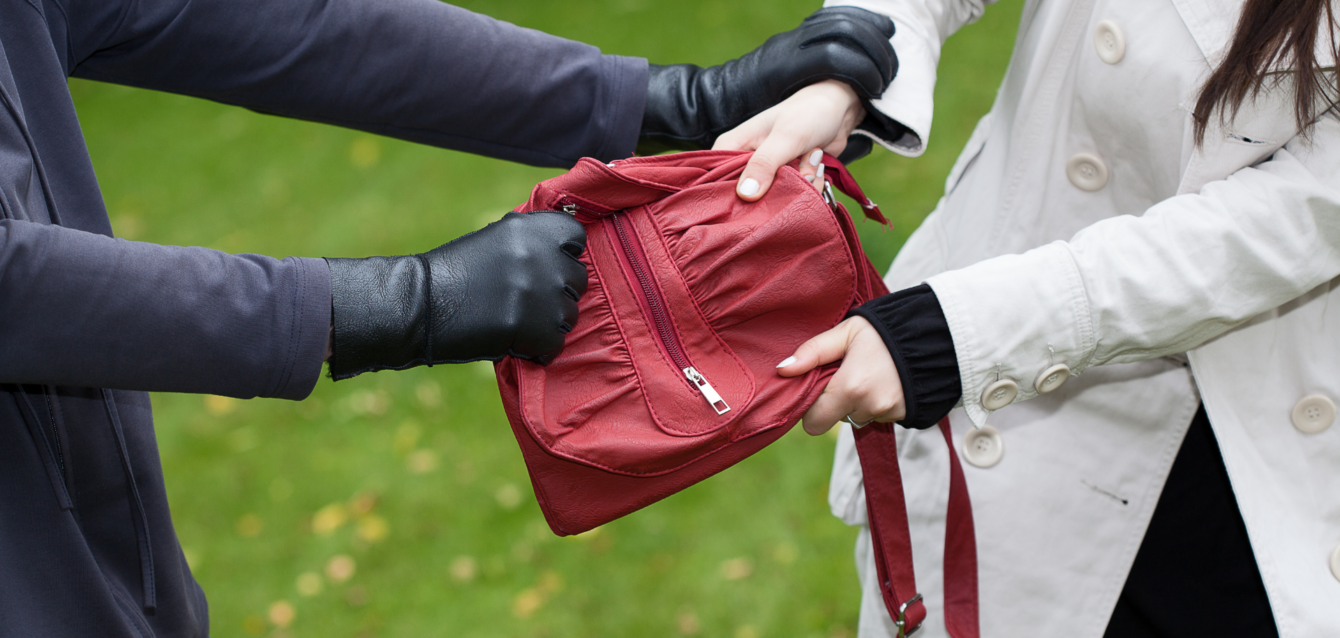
580,250
334,342
886,74
423,362
428,308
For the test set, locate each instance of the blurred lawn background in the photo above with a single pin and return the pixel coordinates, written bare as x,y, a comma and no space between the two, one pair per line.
397,504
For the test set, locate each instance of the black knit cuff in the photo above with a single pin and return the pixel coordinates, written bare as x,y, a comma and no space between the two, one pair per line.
887,130
875,125
915,330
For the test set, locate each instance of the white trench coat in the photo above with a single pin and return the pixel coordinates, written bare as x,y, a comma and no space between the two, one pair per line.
1083,227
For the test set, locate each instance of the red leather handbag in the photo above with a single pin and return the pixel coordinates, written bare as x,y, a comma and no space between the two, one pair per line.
670,374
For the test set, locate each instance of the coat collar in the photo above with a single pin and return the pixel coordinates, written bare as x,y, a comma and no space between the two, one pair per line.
1211,23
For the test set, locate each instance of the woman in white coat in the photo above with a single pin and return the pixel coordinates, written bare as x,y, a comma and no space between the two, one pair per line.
1124,295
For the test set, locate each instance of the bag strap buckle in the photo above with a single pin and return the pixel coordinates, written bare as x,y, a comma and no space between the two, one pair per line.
901,620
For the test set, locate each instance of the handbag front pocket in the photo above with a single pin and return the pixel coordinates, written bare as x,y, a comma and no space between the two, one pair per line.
679,378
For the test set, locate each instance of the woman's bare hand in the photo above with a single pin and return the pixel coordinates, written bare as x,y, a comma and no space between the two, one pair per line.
866,386
816,118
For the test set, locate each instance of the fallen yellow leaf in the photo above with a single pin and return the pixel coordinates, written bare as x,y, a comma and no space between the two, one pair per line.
373,528
219,406
282,613
737,568
329,518
309,583
340,568
249,525
527,602
464,569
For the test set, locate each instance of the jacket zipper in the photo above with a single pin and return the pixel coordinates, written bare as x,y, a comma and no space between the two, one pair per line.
665,330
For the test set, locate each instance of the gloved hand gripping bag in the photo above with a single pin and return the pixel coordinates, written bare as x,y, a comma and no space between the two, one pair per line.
670,375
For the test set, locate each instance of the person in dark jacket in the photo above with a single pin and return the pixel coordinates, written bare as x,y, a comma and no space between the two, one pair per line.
89,324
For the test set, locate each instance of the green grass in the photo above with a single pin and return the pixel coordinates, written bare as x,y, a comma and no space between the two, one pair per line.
415,474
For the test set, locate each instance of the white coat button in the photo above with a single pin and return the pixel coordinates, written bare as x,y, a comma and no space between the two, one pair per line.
983,446
1313,413
1086,171
999,394
1335,562
1109,42
1052,378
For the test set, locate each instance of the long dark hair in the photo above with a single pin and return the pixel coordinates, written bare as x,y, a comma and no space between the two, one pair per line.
1272,33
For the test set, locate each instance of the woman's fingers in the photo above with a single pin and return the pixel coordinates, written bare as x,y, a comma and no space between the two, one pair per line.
819,116
780,147
831,407
747,136
812,167
825,347
771,152
866,387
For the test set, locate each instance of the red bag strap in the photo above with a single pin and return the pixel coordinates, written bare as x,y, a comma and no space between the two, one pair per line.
960,556
885,502
838,175
887,509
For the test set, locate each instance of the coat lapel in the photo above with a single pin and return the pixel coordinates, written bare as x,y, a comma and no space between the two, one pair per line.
1211,23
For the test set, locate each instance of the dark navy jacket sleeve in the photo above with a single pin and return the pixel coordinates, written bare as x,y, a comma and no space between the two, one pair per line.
137,316
419,70
78,308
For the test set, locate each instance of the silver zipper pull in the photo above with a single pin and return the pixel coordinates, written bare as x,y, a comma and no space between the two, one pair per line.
709,392
829,197
570,209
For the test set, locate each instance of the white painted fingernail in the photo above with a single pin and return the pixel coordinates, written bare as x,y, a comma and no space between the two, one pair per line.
749,187
816,157
819,173
786,362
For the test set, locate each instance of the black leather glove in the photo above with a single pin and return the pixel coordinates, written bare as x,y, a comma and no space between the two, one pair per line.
689,106
510,289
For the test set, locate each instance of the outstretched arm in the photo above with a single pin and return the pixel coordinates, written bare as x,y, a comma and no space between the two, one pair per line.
1128,288
82,309
419,70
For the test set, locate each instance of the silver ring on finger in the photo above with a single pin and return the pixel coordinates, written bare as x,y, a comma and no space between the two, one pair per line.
847,419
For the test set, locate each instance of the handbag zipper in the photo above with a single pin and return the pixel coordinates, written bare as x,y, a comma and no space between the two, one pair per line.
661,318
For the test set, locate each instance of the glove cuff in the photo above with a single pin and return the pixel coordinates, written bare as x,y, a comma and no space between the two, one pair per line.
673,119
379,314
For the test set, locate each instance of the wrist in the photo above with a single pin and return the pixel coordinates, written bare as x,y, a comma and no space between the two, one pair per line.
379,310
916,333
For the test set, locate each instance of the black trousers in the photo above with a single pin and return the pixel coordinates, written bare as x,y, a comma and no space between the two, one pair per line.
1195,574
